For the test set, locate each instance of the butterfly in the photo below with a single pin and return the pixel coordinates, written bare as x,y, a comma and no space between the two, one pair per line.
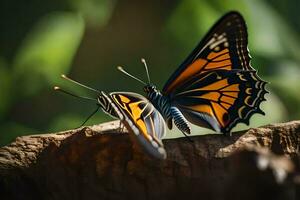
135,112
215,87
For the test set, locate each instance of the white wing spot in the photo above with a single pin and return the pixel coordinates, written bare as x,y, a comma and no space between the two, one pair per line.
217,43
220,37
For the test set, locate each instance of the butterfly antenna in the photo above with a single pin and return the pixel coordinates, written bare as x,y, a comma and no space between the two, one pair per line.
81,97
146,68
125,72
72,94
80,84
91,115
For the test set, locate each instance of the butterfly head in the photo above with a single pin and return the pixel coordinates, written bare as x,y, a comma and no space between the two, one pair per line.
150,88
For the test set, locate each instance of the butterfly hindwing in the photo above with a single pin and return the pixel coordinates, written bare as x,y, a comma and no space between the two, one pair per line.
216,86
141,118
221,99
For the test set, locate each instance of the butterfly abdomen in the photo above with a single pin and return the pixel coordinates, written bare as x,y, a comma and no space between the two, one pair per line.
179,120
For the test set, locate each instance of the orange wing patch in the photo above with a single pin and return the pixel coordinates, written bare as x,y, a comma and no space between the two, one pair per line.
225,105
230,88
228,100
202,109
216,65
220,113
136,116
134,112
124,99
212,55
231,94
193,69
215,86
211,96
221,97
222,57
214,61
218,60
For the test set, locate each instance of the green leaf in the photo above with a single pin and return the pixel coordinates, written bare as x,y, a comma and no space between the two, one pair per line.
47,51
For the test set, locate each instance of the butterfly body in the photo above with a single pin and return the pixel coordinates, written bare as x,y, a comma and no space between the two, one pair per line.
169,112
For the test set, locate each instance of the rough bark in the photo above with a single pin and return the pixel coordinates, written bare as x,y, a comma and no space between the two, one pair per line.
98,162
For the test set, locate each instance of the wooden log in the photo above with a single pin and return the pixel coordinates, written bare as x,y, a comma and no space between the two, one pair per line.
98,162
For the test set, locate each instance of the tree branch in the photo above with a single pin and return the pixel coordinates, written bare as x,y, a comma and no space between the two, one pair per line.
97,162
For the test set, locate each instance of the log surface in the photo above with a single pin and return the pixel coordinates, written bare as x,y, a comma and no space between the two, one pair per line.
98,162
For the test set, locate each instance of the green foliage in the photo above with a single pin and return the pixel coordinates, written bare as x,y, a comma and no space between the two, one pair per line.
200,15
96,12
47,51
286,83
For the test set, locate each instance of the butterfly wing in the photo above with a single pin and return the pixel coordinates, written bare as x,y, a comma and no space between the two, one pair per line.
141,118
220,68
220,99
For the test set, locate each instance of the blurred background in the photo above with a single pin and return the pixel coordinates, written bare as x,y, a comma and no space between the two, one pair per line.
87,39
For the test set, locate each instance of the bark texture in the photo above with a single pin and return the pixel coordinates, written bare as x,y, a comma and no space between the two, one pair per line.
98,162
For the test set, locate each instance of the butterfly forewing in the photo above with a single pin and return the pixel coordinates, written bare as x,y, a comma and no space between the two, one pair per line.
224,47
141,118
216,87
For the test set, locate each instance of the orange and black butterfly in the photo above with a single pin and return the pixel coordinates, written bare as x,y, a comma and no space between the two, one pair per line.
215,87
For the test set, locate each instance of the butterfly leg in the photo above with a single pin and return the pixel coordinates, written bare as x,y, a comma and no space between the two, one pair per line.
227,134
187,137
122,127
